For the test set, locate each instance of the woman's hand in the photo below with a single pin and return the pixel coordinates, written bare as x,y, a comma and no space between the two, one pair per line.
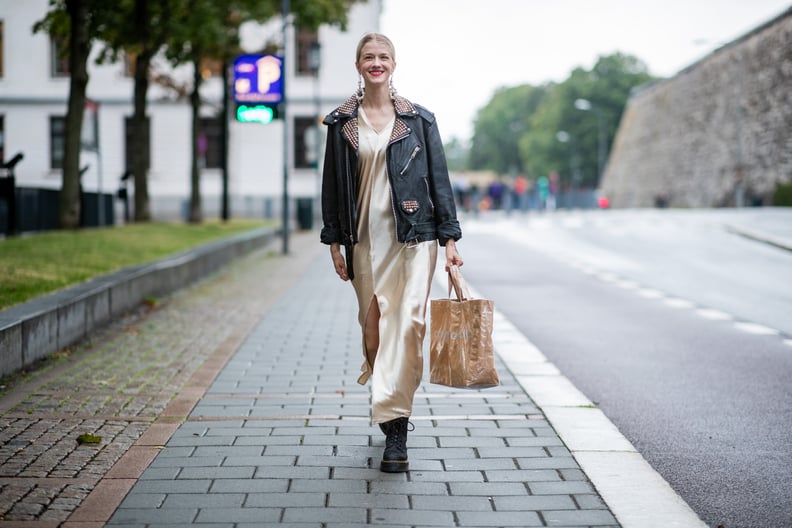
452,256
339,262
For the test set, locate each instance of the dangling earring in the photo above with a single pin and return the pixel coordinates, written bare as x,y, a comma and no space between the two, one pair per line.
361,91
392,89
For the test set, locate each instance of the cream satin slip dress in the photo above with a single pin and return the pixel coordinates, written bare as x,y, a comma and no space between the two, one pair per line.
393,274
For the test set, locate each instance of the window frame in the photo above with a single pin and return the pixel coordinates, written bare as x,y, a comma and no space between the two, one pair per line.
212,129
304,125
57,135
59,65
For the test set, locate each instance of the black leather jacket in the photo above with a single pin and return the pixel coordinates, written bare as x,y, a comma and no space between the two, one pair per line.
421,195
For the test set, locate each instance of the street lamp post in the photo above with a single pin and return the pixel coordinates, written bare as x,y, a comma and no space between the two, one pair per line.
315,63
602,153
285,8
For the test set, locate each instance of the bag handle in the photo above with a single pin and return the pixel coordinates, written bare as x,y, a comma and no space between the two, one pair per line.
457,283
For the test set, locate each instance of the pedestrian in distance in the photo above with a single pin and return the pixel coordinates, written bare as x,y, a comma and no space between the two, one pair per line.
387,199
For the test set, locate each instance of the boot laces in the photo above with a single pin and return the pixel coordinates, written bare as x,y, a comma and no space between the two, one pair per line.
396,431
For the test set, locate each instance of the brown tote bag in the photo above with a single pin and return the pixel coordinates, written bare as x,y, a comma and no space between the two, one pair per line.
460,346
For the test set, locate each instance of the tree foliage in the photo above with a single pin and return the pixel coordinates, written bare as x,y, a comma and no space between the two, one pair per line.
499,126
518,130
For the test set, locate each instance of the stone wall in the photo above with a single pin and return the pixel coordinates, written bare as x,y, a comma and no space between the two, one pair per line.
719,133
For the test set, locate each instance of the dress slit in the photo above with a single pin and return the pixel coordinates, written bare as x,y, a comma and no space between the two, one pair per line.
371,355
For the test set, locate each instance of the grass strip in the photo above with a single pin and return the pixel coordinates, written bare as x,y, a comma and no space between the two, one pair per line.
42,263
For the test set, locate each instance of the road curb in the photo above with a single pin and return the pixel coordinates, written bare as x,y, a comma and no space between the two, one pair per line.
758,236
33,330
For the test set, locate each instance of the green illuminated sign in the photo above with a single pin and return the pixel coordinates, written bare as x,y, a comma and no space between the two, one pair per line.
255,114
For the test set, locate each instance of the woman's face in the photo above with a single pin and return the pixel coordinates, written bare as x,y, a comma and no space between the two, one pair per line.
376,63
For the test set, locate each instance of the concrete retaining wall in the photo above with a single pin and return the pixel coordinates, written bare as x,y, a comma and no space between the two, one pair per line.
38,328
719,133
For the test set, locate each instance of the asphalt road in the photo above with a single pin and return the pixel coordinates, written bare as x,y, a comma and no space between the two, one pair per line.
680,330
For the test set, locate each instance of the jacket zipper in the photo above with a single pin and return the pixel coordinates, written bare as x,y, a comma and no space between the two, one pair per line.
352,228
415,152
429,194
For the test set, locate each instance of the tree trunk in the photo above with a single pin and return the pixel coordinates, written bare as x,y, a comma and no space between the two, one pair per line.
79,47
196,215
140,136
140,139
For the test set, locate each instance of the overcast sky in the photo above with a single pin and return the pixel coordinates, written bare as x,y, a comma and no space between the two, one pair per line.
452,55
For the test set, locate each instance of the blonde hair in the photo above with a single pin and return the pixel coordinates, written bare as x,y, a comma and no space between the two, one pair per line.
371,37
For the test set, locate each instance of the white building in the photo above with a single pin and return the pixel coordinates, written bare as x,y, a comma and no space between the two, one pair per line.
34,90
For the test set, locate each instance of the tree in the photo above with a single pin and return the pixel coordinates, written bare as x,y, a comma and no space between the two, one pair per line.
457,154
606,87
535,130
139,28
209,30
78,22
499,126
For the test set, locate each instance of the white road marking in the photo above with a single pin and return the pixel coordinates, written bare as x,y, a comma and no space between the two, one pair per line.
756,329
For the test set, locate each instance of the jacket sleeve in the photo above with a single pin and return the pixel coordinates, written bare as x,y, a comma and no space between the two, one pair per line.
331,230
440,183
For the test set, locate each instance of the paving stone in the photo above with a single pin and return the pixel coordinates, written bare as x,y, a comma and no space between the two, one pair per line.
172,486
336,486
351,515
203,473
522,475
478,464
533,502
204,500
369,500
456,503
259,516
561,463
579,518
489,488
413,517
285,500
480,519
154,516
560,488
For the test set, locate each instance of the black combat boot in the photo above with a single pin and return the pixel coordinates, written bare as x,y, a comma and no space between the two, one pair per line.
394,459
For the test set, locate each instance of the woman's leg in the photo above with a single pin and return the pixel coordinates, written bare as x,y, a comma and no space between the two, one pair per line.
371,336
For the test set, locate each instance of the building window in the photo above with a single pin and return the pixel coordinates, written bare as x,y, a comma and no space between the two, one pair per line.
306,142
59,59
2,138
1,48
307,41
210,142
146,143
57,141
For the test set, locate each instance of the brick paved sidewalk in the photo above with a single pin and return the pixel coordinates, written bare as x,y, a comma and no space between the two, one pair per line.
282,435
130,384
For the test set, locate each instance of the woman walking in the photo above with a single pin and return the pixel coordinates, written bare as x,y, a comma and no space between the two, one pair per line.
387,199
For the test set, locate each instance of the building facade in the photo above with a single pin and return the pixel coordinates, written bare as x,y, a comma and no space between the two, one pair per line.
34,88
